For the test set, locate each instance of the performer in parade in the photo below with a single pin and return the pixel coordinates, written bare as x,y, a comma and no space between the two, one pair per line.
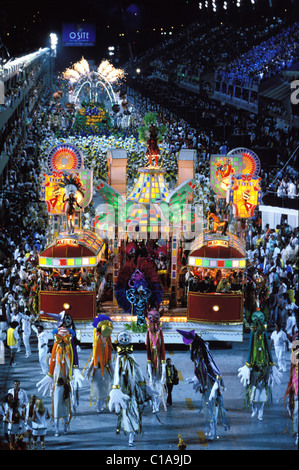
63,369
291,394
259,374
99,368
208,381
156,364
129,392
70,210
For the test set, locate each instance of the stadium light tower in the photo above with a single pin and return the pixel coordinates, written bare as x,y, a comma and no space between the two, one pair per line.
53,43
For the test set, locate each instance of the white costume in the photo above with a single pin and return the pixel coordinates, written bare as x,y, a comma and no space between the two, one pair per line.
100,366
129,391
39,424
63,368
279,339
20,395
26,328
42,339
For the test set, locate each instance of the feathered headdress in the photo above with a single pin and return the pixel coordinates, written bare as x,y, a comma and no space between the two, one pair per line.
103,321
71,184
132,276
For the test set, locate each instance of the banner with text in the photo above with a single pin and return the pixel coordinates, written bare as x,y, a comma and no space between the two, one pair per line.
78,34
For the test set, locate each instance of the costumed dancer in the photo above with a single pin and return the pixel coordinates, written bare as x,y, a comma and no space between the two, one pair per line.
291,393
129,390
70,210
218,226
162,264
156,364
152,133
99,368
66,319
153,148
63,369
208,381
71,185
259,374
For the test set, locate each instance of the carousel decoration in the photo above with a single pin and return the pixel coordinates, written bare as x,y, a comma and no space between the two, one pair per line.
237,164
250,161
71,250
217,258
244,192
67,185
65,157
222,168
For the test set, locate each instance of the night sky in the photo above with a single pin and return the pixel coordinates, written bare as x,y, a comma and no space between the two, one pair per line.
25,26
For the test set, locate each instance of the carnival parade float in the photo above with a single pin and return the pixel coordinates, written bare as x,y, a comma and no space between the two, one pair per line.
148,246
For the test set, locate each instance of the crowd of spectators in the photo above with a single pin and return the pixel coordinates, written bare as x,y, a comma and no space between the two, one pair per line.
199,48
272,271
270,57
24,222
206,132
16,82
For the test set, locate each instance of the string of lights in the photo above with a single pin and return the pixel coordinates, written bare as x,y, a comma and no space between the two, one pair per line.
226,4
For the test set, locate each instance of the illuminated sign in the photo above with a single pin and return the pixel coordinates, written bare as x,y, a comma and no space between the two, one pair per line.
245,195
67,241
53,192
222,168
218,243
78,34
217,263
237,163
